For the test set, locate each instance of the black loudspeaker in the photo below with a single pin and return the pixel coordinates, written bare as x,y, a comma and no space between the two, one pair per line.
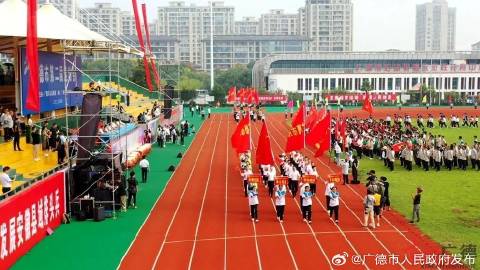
99,213
171,168
168,101
91,108
180,155
81,216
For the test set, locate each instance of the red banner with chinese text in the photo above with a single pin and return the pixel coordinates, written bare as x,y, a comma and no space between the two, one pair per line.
27,215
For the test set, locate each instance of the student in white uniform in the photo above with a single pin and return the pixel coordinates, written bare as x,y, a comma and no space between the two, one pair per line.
253,202
307,204
328,188
280,201
334,203
271,180
5,180
294,176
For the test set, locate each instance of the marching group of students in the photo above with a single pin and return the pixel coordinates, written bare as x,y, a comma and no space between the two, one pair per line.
295,166
409,144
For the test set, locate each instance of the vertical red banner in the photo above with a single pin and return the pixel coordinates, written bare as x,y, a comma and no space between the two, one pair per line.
147,35
142,45
33,97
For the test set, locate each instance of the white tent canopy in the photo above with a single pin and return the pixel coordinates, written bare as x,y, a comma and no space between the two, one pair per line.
51,23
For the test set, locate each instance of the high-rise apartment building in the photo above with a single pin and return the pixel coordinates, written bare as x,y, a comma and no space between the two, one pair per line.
127,21
277,22
103,18
328,24
191,24
247,26
67,7
435,27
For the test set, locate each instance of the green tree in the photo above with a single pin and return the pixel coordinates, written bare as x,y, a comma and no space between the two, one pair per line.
366,86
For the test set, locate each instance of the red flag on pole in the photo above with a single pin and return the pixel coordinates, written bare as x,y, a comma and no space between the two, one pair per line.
147,34
142,45
249,95
367,104
232,92
241,95
311,118
241,137
264,151
319,137
296,134
33,96
255,96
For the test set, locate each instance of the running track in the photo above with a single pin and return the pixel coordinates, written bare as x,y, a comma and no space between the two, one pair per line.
201,221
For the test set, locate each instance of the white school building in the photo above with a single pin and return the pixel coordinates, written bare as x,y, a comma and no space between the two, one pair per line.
387,72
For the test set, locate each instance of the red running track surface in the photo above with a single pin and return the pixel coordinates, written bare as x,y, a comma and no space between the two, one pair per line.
201,221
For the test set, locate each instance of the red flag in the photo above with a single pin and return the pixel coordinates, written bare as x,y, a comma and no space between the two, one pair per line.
296,134
142,45
398,146
367,104
264,151
33,96
311,118
241,137
319,137
232,92
255,96
147,34
241,95
249,95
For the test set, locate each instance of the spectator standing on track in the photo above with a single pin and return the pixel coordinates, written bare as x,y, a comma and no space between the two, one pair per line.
386,195
416,205
253,202
145,167
132,190
280,201
5,180
377,208
334,202
307,204
368,203
345,166
355,165
209,111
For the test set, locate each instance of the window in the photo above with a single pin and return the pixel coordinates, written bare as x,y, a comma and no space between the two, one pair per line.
300,84
316,84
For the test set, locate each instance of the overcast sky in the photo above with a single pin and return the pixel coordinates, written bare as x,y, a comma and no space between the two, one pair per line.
378,24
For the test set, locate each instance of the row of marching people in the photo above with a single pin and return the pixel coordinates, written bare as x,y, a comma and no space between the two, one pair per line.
293,167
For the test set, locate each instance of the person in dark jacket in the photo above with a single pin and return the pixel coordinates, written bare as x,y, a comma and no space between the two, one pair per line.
355,170
386,194
16,136
132,190
416,205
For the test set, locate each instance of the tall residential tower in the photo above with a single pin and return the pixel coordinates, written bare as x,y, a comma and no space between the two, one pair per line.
435,27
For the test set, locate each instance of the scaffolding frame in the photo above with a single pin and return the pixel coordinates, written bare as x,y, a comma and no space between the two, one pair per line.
111,49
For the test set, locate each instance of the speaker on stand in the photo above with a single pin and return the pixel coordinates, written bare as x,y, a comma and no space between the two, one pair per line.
168,101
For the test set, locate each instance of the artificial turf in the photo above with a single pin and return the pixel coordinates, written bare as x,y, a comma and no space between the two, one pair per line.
101,245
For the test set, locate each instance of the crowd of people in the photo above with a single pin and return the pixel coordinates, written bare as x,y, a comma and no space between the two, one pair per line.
400,140
294,167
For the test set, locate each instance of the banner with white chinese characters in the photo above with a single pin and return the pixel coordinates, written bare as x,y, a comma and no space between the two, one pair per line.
361,97
27,215
52,81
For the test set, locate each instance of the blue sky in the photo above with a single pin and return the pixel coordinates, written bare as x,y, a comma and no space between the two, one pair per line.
378,24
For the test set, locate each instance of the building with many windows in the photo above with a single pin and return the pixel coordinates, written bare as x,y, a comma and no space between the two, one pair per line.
387,72
127,21
247,26
191,24
166,49
328,24
277,22
103,18
231,50
435,27
67,7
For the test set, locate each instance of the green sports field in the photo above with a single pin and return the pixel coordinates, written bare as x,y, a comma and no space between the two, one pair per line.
449,210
